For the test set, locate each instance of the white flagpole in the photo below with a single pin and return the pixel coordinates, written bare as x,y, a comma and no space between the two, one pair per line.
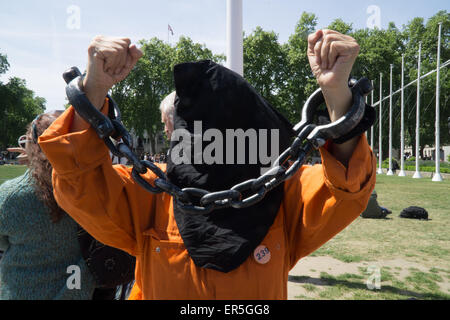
402,120
437,176
371,128
390,173
235,53
417,174
367,132
380,147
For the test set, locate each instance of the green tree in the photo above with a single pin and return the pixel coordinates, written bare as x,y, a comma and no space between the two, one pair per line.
4,65
266,67
186,50
301,82
340,26
18,107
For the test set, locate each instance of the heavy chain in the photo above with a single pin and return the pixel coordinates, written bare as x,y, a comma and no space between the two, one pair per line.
195,200
200,201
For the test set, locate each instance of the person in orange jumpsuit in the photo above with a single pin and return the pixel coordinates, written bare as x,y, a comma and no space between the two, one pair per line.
317,203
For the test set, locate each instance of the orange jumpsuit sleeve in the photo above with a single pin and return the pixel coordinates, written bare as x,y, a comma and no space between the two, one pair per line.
102,198
321,200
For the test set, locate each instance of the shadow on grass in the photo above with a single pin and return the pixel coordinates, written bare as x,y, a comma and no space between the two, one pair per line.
362,286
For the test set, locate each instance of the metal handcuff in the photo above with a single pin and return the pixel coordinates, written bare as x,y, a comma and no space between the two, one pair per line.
309,136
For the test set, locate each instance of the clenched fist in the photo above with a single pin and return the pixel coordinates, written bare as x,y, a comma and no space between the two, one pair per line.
331,57
110,60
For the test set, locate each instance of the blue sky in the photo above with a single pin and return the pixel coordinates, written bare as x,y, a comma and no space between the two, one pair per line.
40,45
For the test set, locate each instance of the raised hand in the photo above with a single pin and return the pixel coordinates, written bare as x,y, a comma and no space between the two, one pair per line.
110,60
331,57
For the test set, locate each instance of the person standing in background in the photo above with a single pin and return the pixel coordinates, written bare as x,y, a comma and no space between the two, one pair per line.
38,238
44,249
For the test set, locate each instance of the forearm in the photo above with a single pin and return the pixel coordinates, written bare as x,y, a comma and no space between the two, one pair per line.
338,101
97,97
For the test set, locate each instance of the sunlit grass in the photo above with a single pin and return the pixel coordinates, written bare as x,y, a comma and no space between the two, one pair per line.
10,171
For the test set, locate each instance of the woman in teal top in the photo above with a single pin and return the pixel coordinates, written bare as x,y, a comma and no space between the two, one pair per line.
42,258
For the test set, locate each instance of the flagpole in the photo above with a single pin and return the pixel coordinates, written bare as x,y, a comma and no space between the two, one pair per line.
417,174
235,59
402,172
169,29
390,172
437,175
380,133
371,128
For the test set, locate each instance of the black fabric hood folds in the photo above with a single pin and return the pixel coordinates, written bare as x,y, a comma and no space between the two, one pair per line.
221,99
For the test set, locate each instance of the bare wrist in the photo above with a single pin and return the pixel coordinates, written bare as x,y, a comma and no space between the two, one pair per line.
338,101
95,94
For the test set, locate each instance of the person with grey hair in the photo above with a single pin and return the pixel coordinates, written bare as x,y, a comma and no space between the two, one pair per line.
167,108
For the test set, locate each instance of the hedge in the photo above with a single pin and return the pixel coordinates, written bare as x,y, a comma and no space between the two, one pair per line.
421,168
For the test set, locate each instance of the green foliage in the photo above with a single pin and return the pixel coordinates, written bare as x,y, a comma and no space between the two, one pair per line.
443,168
394,163
426,163
18,107
301,82
265,65
4,65
340,26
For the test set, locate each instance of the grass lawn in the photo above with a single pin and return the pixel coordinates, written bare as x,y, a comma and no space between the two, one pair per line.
10,171
413,256
420,250
420,241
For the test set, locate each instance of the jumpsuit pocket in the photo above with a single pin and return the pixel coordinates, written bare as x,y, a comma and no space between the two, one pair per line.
167,262
162,246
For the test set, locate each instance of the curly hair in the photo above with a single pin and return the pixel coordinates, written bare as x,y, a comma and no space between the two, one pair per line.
40,167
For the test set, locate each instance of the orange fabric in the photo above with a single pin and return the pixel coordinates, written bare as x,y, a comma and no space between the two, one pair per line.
135,293
319,202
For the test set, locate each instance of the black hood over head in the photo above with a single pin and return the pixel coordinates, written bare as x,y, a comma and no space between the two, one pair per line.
221,99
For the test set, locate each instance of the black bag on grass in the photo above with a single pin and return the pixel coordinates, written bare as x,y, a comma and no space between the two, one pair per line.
414,213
